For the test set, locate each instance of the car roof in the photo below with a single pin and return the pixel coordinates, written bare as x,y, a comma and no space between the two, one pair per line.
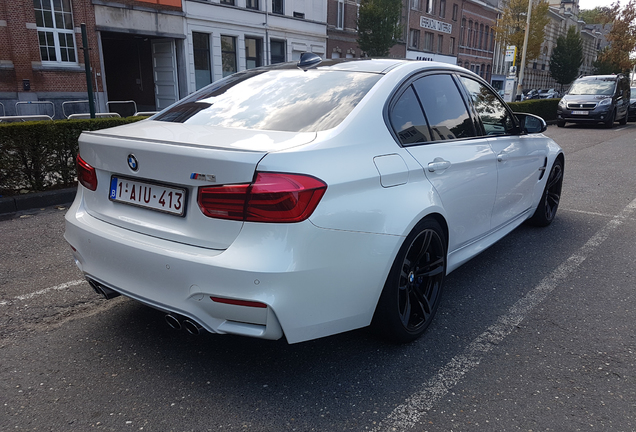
600,77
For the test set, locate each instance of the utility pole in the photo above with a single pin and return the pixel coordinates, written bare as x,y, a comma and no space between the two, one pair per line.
522,66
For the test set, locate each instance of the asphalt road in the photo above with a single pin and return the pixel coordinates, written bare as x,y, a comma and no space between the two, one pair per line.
535,334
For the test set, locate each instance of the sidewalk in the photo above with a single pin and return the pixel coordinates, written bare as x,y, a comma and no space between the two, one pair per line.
17,203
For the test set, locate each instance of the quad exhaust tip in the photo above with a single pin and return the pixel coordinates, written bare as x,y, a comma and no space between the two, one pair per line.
100,289
176,322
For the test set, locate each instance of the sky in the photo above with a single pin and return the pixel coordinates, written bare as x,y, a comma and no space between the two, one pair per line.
591,4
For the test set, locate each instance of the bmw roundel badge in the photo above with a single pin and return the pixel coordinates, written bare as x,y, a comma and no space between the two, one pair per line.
132,162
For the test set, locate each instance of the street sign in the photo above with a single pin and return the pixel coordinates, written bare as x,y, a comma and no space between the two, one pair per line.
511,53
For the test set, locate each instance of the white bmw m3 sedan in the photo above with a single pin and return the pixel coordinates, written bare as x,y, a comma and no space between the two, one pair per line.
307,199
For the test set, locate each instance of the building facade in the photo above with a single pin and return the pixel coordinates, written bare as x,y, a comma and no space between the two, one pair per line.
145,54
433,30
477,37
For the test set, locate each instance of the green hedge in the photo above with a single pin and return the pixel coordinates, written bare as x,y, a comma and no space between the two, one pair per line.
545,108
37,156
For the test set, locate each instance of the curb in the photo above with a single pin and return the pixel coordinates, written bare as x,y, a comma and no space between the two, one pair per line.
36,200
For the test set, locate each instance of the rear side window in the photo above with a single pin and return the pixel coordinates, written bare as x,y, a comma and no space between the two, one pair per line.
444,108
408,119
494,116
282,100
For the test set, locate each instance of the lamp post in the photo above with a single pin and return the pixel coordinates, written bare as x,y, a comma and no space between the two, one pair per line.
522,66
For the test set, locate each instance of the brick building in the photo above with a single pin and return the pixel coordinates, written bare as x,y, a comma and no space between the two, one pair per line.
152,52
433,30
477,37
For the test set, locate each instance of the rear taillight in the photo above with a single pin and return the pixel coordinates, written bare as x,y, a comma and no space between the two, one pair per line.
86,174
272,197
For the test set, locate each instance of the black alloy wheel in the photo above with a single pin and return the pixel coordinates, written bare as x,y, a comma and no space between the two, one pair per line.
547,208
413,288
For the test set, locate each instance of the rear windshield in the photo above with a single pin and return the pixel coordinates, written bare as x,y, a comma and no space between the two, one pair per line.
593,87
282,100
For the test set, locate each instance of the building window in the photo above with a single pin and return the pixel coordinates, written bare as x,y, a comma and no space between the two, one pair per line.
428,41
202,65
277,49
228,55
430,6
463,31
440,43
486,34
415,4
227,2
451,48
482,71
278,7
442,8
470,34
252,4
340,19
54,21
455,11
481,36
414,38
253,53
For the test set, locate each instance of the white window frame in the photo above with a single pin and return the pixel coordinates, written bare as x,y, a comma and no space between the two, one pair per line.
340,17
57,30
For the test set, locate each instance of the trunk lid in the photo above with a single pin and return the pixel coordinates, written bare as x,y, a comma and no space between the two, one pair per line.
179,158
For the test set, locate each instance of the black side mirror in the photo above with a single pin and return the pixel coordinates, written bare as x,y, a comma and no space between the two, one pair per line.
531,123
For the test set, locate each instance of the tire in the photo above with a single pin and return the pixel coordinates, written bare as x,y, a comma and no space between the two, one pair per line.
547,208
560,123
623,121
609,123
413,289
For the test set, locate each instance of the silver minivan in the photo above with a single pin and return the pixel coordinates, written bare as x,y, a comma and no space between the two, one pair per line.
595,99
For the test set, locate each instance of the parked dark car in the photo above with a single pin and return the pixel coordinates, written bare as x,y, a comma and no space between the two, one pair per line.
549,94
632,105
531,94
596,99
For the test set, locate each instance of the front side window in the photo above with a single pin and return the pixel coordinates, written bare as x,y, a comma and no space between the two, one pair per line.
228,55
494,116
202,65
278,7
261,99
253,53
54,21
444,108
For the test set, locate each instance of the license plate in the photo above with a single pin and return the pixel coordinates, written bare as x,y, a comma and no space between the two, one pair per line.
148,195
579,112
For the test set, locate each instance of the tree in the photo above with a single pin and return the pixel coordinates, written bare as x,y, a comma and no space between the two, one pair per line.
511,27
567,57
379,26
598,15
621,38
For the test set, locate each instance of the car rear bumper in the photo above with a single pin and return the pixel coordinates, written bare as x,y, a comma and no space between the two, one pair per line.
310,282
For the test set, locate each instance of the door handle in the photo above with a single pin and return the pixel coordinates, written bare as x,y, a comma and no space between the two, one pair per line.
502,157
438,164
